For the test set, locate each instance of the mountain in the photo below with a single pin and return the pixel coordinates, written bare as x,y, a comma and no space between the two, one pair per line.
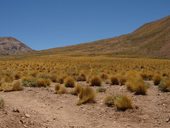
12,46
151,40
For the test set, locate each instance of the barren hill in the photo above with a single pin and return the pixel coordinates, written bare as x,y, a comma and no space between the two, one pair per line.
12,46
151,39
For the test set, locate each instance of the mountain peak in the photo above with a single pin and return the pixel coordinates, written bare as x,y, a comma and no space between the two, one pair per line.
12,46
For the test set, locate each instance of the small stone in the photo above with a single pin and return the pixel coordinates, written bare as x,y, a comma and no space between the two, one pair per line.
16,110
22,122
168,120
27,115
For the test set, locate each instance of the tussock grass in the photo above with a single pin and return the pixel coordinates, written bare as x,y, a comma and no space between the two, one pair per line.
122,103
14,86
69,82
76,90
109,101
87,94
95,81
60,89
164,85
114,80
157,79
136,85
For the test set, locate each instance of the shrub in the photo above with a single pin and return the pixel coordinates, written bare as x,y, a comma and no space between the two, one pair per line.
96,81
122,103
164,85
69,82
137,85
2,103
101,89
76,90
60,89
40,82
86,95
81,77
114,80
109,101
157,79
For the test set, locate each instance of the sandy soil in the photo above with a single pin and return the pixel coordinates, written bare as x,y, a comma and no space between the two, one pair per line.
41,108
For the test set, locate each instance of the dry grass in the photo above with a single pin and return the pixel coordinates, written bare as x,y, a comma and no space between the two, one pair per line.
109,101
157,79
76,90
164,86
114,80
69,82
60,89
42,82
122,103
137,85
87,94
14,86
96,81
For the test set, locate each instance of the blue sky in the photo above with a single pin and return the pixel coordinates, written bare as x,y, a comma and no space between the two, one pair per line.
43,24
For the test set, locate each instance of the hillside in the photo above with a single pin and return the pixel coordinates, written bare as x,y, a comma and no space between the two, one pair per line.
12,46
151,39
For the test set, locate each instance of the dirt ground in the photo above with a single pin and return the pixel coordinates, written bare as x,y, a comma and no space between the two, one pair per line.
41,108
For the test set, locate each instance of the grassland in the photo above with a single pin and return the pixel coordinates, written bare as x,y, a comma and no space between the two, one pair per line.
106,84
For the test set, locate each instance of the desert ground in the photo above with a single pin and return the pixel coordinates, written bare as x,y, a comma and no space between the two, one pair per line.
40,106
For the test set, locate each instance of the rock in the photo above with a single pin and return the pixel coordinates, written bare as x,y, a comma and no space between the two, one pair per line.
15,110
168,120
27,115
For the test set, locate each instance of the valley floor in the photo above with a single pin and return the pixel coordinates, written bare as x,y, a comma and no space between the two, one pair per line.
41,108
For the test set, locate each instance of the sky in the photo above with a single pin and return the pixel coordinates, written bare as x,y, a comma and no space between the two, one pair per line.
43,24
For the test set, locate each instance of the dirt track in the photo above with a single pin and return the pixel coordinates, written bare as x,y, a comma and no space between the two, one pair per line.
41,108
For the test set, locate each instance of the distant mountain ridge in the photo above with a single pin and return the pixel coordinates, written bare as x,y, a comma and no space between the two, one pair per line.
12,46
151,40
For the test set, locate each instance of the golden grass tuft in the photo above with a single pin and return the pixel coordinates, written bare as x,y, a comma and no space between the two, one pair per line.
69,82
17,86
81,77
60,89
76,90
122,103
96,81
86,95
42,82
137,85
109,101
14,86
157,79
114,80
164,85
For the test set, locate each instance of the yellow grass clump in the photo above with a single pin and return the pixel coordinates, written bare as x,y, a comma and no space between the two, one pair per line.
164,85
96,81
87,94
122,103
69,82
137,85
60,89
